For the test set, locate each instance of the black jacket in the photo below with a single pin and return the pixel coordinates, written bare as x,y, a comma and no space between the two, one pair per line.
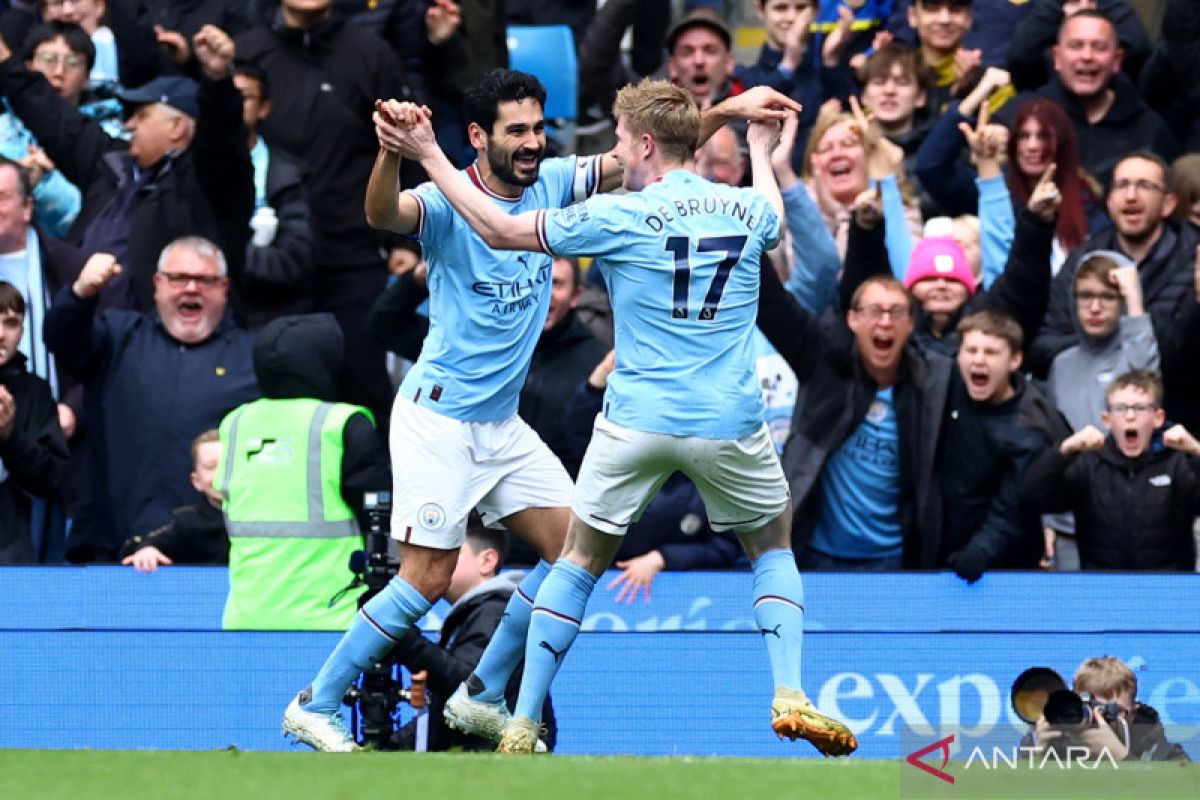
206,189
1029,56
1167,287
148,396
464,636
983,453
278,278
834,396
1129,125
1130,514
326,79
34,459
195,535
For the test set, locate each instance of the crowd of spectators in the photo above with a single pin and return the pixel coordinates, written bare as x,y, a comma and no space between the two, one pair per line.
992,223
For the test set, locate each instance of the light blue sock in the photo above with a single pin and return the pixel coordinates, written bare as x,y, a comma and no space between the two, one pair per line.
504,651
779,611
376,627
557,614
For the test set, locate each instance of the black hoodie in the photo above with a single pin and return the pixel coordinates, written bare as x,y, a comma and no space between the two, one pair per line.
301,356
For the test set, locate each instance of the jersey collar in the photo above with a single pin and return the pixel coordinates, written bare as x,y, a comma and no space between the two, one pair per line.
477,179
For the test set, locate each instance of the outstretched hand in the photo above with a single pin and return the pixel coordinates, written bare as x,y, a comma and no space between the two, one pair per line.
638,574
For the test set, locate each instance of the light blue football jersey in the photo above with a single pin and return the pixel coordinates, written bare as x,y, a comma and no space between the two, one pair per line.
681,260
486,307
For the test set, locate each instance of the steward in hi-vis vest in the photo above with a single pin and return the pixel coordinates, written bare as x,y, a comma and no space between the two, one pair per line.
294,467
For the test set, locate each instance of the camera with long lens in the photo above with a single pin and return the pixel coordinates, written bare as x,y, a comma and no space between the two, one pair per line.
1041,692
374,700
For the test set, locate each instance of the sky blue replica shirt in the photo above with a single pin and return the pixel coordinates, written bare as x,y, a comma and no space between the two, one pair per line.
486,307
681,260
860,489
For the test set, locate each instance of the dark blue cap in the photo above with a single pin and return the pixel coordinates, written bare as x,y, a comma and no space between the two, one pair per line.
173,90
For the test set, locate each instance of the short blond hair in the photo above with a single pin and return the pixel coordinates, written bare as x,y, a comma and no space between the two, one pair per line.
1104,676
209,436
664,111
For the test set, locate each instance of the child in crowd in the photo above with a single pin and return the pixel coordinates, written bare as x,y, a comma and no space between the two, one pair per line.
33,451
1116,337
1133,503
196,533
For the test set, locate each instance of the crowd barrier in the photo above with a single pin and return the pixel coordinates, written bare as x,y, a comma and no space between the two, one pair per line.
102,657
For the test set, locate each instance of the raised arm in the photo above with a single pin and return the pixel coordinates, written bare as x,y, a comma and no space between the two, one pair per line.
760,104
406,128
762,138
387,209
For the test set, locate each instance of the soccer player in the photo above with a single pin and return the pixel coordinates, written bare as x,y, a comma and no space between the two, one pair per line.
681,257
456,441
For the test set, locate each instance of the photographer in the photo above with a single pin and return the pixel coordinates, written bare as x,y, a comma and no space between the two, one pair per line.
480,596
1128,729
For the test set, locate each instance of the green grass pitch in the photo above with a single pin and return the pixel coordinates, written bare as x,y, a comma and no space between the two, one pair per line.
233,775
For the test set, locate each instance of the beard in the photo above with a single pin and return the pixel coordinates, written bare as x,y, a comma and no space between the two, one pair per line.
501,165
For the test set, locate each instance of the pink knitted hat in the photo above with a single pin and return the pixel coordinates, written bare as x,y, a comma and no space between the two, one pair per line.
939,257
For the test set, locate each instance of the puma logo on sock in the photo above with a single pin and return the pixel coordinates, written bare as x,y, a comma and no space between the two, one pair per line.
558,654
771,631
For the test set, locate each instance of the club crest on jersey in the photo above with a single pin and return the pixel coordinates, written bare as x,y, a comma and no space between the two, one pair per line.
431,517
877,412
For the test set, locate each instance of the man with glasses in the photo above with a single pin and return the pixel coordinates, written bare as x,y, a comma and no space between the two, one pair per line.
154,381
1140,203
1133,504
860,462
1115,336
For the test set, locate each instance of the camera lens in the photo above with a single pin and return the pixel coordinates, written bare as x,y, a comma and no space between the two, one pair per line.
1064,707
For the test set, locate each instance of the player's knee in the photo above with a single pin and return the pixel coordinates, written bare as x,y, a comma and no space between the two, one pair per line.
430,576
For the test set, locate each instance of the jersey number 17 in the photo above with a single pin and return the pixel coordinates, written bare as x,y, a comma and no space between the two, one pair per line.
680,248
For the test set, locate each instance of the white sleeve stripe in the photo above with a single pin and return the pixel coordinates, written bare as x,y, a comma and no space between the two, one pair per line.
420,214
598,174
539,224
579,187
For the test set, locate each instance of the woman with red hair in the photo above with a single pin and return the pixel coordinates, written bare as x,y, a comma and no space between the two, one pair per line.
1041,135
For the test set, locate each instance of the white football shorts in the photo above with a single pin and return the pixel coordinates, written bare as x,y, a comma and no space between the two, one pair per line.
443,467
740,480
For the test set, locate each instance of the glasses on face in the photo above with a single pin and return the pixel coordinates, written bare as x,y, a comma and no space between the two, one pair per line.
874,313
179,280
1136,408
1104,298
52,60
1141,184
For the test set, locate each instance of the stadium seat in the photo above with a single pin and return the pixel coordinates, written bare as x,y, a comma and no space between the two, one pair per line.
548,51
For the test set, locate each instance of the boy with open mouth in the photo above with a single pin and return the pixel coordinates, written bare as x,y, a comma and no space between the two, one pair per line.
1133,502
